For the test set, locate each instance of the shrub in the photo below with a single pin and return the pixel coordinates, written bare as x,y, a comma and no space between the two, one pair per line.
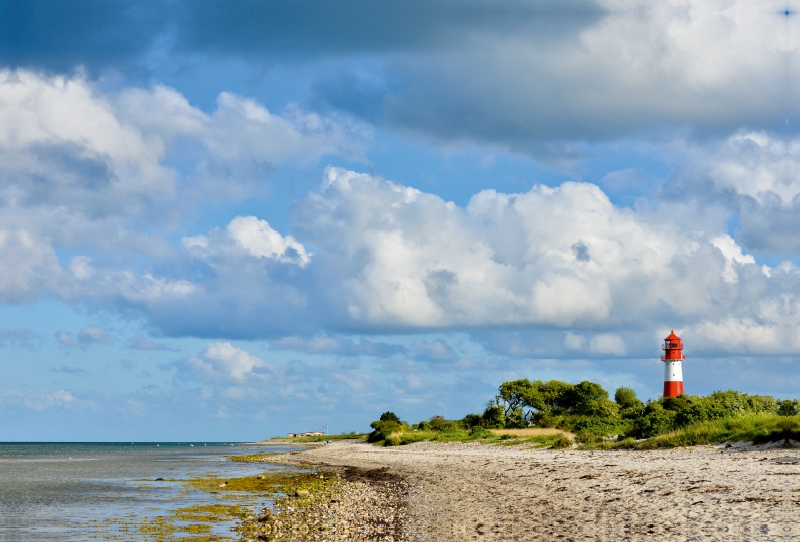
480,432
700,411
654,420
494,417
786,408
389,416
393,440
561,441
516,419
410,438
626,399
596,426
472,420
377,436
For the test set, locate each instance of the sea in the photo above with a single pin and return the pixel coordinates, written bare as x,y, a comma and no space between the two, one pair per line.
110,491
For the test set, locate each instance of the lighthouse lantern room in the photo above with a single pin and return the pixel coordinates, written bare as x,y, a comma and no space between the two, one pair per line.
672,358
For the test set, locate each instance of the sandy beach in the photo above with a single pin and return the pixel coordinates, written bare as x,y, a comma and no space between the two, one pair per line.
457,491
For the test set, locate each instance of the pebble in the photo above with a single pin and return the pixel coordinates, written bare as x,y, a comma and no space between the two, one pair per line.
352,510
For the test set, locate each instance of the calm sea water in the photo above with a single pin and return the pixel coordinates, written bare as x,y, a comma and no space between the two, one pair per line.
108,491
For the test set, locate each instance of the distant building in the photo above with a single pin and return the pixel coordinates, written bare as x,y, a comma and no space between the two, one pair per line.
307,434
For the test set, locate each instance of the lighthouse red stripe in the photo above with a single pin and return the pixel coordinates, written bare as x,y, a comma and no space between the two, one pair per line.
673,389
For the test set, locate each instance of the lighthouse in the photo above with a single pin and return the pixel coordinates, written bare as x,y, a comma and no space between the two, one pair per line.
672,358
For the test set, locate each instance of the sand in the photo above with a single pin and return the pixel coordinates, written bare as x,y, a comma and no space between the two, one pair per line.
473,491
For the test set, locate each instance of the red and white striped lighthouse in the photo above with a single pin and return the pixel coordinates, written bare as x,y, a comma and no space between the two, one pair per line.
672,358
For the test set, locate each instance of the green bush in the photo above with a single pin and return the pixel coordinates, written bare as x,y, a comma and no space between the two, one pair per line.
472,420
700,411
389,416
597,426
480,432
786,408
494,417
654,420
377,436
561,441
393,440
516,420
626,399
409,438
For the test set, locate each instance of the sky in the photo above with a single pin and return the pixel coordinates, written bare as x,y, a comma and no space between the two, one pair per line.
228,220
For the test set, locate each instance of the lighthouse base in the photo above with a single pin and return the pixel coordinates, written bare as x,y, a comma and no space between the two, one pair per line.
673,388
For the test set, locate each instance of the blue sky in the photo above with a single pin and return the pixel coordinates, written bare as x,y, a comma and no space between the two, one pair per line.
230,220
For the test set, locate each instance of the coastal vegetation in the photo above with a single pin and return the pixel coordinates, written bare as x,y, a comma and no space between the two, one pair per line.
584,413
323,438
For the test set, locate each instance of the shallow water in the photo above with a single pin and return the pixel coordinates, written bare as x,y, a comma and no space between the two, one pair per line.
77,491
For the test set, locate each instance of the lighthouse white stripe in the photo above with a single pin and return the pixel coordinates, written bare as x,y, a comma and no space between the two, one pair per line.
672,371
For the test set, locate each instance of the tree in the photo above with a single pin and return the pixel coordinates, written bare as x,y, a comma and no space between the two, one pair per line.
389,416
517,394
625,397
590,399
556,395
494,417
787,408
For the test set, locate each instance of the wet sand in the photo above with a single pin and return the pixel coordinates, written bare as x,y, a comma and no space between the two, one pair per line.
458,492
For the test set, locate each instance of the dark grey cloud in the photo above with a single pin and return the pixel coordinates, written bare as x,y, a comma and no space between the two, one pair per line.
60,36
246,27
101,34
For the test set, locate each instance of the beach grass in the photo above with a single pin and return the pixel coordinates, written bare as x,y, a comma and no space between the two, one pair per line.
756,428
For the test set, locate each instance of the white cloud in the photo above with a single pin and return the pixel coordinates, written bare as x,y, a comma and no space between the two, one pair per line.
250,236
223,361
733,257
637,65
561,256
607,343
600,344
83,171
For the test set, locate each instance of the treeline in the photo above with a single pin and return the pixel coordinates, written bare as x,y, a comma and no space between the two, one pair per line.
585,409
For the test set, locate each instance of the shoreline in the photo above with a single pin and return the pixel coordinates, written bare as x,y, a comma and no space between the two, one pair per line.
472,491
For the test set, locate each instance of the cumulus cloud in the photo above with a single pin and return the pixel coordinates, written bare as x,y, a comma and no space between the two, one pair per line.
554,256
223,361
82,170
754,175
249,236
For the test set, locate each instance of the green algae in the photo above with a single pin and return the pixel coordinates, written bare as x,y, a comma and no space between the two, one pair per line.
256,458
268,483
234,502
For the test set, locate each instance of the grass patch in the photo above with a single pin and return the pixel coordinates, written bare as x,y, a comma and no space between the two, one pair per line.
530,432
757,428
